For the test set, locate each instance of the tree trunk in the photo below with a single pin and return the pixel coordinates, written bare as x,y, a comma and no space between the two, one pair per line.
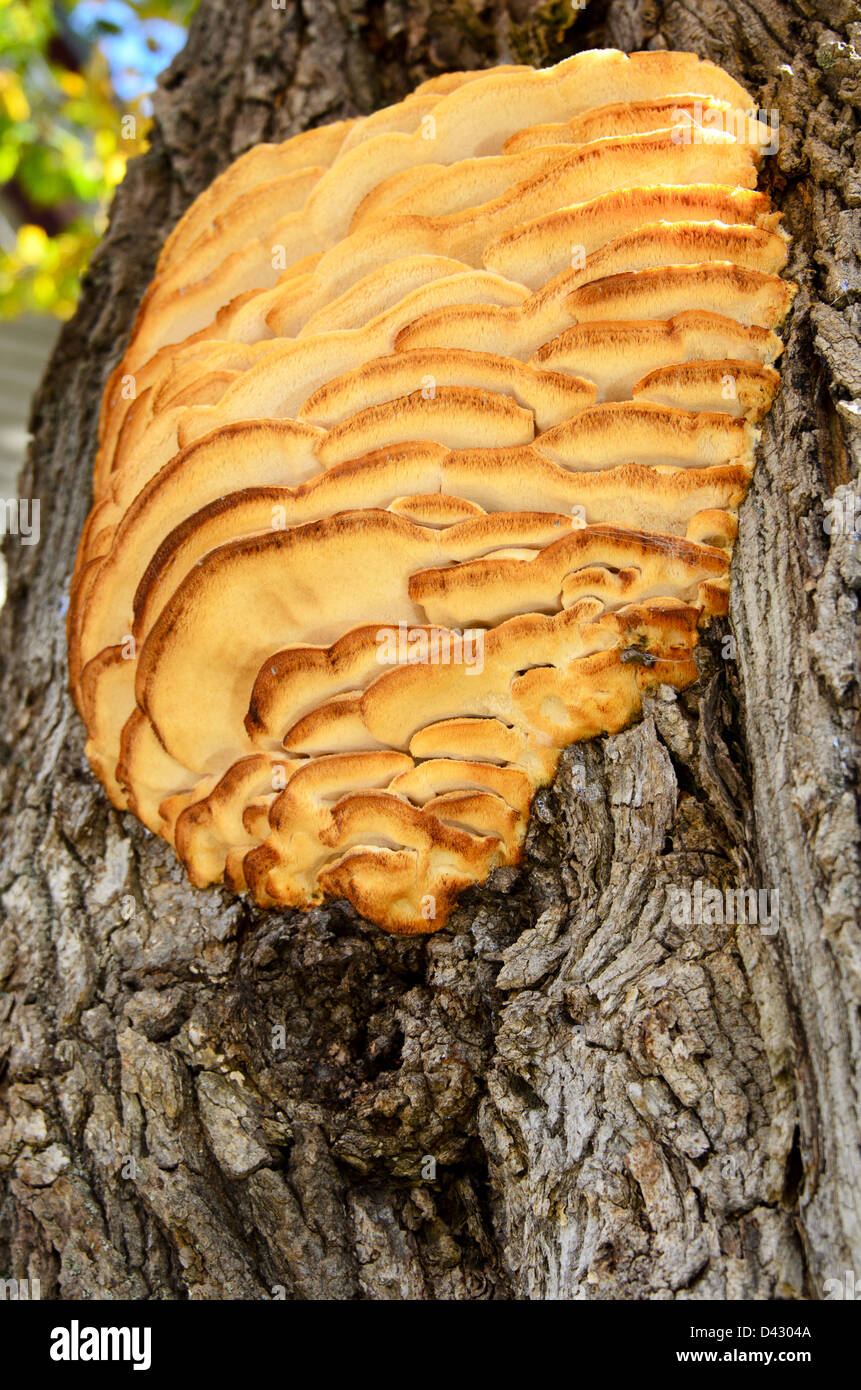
565,1094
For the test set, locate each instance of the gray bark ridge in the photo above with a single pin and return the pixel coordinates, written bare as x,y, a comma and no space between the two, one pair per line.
568,1093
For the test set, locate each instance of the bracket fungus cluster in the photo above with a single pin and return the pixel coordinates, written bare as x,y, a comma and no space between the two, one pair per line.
423,462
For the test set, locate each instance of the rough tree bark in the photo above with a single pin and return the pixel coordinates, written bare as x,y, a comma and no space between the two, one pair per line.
202,1100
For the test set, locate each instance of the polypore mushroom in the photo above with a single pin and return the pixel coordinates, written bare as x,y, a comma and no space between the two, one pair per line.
440,423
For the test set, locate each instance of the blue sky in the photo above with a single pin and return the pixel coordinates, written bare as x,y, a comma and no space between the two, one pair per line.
136,49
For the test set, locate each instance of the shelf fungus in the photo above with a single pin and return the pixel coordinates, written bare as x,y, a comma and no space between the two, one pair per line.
424,461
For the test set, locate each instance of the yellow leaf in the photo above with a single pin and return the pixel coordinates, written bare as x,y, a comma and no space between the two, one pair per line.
43,290
31,243
15,101
72,83
105,142
115,169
